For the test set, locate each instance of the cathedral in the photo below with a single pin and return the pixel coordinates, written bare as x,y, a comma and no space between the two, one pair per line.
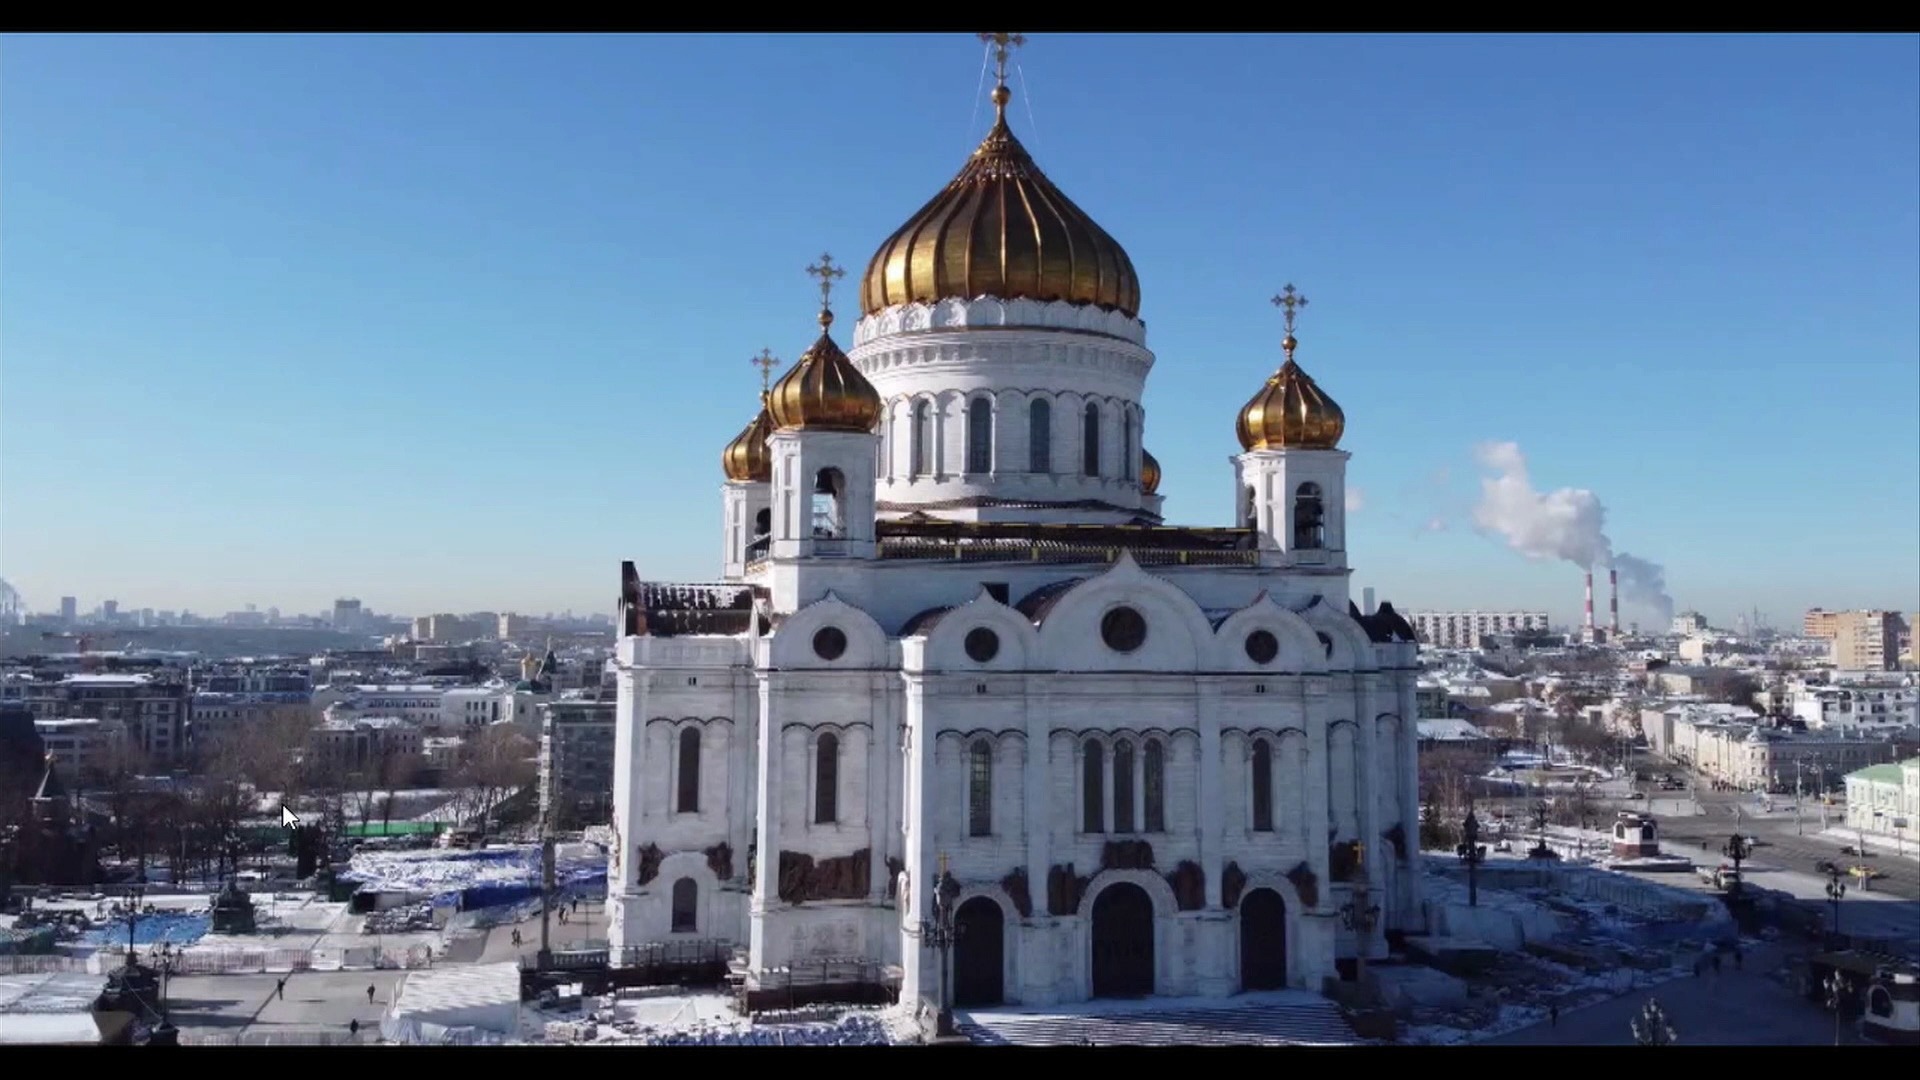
957,653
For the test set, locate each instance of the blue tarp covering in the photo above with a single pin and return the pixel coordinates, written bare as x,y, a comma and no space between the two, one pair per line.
150,929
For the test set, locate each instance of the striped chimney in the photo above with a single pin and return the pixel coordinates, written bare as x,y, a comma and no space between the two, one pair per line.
1613,602
1589,599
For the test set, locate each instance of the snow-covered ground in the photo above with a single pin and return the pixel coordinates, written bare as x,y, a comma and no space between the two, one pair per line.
710,1020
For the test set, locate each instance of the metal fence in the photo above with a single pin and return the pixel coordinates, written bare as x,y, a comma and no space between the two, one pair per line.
204,961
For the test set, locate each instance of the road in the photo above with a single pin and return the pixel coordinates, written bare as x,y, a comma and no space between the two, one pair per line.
1784,859
1734,1008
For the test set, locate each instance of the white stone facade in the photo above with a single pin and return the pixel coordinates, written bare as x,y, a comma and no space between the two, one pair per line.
1155,761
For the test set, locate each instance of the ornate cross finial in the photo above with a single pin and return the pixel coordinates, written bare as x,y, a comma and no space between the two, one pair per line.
1290,302
766,362
827,273
1003,43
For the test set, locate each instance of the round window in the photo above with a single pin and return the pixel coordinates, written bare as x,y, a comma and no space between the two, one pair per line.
1123,629
1262,647
830,643
982,644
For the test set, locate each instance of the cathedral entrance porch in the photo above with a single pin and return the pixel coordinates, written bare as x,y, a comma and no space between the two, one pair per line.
979,953
1263,941
1122,942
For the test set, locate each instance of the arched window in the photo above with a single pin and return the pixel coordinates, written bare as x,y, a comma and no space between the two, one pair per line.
686,906
1126,444
1090,441
1093,794
1123,787
689,802
829,502
980,436
1154,760
1040,437
980,789
826,781
1309,518
1253,509
1262,786
920,448
762,523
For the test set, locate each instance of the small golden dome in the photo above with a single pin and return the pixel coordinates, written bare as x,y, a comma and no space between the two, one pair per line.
1001,229
747,458
1291,412
824,391
1149,473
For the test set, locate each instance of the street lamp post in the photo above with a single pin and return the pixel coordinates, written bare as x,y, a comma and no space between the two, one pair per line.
1836,888
135,893
940,935
1472,852
1651,1028
165,1034
1541,811
1737,848
1836,988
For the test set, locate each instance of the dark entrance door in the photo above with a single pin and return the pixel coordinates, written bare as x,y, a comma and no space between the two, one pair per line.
1263,941
1122,942
979,953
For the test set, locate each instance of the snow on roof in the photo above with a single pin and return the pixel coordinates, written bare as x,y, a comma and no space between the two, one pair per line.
109,680
1450,731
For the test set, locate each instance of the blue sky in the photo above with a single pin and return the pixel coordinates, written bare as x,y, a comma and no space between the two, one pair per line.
458,322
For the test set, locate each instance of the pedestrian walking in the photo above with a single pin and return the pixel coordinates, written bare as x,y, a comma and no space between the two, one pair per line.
280,989
516,937
353,1027
369,995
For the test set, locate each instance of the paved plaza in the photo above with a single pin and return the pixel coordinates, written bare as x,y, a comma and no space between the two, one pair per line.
247,1007
1747,1007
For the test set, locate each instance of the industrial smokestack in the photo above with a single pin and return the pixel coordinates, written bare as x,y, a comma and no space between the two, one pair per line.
1589,599
1613,602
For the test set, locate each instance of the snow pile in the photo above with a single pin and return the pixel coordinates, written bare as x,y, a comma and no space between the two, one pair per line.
854,1029
678,1019
479,879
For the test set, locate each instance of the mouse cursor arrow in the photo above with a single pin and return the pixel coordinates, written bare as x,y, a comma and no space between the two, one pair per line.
289,818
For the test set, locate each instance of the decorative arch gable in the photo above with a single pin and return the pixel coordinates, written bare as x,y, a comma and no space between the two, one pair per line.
1017,641
1300,648
1178,638
792,647
1352,648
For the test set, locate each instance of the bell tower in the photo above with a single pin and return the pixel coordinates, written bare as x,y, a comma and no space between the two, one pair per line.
747,499
1290,482
823,447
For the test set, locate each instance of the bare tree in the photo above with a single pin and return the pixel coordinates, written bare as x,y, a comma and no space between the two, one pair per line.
397,772
494,765
1447,778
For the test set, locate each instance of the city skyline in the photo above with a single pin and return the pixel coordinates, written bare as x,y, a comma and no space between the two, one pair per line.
366,342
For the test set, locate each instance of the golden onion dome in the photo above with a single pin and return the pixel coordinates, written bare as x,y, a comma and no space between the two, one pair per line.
823,391
1001,229
1291,412
747,458
1149,473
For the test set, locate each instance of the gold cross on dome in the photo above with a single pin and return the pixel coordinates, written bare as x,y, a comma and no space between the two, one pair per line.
1003,43
766,362
827,273
1290,301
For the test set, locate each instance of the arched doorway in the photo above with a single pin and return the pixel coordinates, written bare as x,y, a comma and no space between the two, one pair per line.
1122,942
1263,941
979,953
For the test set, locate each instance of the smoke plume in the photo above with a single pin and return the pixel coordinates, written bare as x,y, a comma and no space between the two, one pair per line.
1566,523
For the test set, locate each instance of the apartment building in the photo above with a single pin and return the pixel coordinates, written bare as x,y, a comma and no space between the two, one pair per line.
363,741
1860,706
1884,800
83,749
1860,640
1464,629
576,762
152,706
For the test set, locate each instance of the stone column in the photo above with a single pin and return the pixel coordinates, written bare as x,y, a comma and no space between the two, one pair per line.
1210,813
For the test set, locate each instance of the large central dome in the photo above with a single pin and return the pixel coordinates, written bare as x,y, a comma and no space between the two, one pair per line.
1001,229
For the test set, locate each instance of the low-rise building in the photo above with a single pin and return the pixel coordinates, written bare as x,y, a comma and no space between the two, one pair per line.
1884,800
362,741
1862,705
83,748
